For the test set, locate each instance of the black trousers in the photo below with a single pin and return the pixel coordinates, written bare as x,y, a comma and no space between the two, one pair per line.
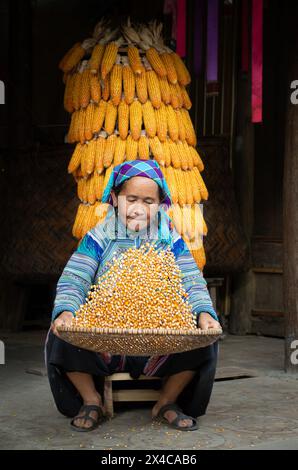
62,357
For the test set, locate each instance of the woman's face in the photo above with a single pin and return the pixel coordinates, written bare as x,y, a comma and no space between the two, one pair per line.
137,202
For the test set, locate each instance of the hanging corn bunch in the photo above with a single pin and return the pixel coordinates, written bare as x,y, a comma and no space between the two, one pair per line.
127,97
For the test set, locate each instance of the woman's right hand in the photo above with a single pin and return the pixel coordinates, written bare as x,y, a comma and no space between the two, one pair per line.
64,319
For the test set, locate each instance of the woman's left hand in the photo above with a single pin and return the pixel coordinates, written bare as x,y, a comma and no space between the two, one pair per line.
206,321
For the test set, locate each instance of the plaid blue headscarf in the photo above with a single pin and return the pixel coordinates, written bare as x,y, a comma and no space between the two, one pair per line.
126,170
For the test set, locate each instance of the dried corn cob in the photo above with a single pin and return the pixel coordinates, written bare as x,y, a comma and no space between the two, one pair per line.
109,58
180,186
143,147
182,155
197,161
161,122
188,187
91,190
166,57
129,82
166,151
153,88
149,119
181,128
105,84
165,90
95,89
156,62
89,121
175,102
68,93
179,94
79,220
131,148
107,175
175,158
195,187
135,119
189,155
109,150
185,98
81,124
100,151
76,91
190,134
181,70
123,119
73,57
80,184
75,160
171,180
96,58
67,55
120,150
72,132
188,222
199,257
141,87
99,116
172,122
110,118
177,218
157,150
85,93
135,60
116,82
90,157
98,181
202,186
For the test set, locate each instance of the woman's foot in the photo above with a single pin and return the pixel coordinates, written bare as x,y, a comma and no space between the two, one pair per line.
89,418
171,415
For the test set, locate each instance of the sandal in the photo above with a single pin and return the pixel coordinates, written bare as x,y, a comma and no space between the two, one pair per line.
180,415
95,422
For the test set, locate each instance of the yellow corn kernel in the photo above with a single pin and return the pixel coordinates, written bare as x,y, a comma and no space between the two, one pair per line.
181,70
109,58
81,125
106,88
72,58
170,67
153,88
171,180
120,150
131,148
157,150
99,116
91,190
141,87
172,122
76,91
67,55
182,155
190,134
195,187
135,119
90,157
135,60
116,83
123,119
149,119
107,175
156,62
175,102
99,153
96,58
75,160
85,89
165,90
143,148
185,98
161,123
166,151
109,151
180,186
95,89
129,82
68,93
175,158
202,186
197,161
110,118
79,220
89,121
98,182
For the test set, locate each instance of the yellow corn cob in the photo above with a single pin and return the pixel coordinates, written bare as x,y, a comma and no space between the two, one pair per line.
177,217
95,89
182,155
185,98
91,190
180,122
135,60
205,228
109,150
116,83
80,184
157,150
76,92
135,119
73,57
90,157
75,160
190,134
129,82
161,122
165,90
107,176
189,194
166,152
72,132
188,222
89,121
100,210
109,58
78,225
110,118
66,56
87,220
180,186
199,257
153,88
85,89
170,67
156,62
181,70
98,181
188,154
171,180
172,122
99,116
106,88
141,87
120,149
68,93
175,102
197,161
202,186
179,94
99,155
143,148
149,119
96,58
131,148
195,187
81,125
123,119
175,158
84,159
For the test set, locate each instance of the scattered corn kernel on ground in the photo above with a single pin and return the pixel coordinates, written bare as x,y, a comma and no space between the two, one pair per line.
141,289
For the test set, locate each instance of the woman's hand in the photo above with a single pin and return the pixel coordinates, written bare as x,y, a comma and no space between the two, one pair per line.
206,321
64,319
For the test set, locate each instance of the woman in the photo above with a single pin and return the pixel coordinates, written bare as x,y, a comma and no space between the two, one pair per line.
136,191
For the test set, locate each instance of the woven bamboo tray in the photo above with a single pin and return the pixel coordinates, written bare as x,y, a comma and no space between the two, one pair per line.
133,342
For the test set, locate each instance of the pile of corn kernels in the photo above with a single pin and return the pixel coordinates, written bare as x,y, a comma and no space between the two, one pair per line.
141,289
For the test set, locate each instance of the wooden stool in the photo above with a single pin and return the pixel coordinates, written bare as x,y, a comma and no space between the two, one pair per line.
111,395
